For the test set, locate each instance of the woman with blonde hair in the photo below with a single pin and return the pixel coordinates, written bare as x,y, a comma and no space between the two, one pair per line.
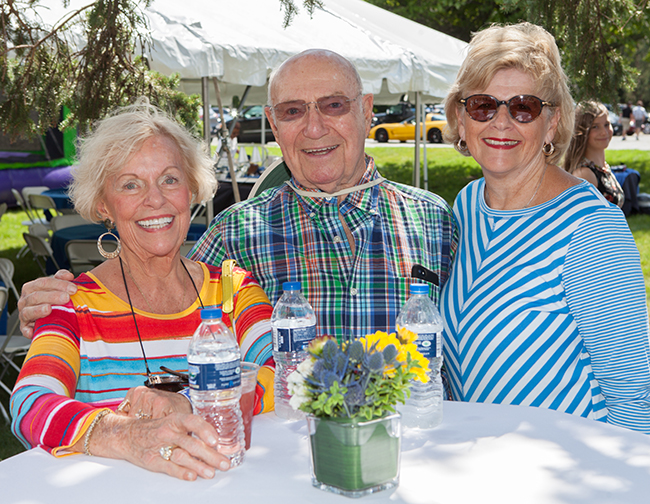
546,302
80,388
585,157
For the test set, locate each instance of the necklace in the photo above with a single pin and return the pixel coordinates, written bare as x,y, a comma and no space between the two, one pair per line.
539,184
151,310
135,322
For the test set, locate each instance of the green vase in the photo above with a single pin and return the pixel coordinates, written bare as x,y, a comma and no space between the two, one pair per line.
354,458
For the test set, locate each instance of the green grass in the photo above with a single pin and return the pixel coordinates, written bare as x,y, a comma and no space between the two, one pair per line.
448,173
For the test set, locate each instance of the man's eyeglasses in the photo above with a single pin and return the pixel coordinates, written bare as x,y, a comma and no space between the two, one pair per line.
522,108
332,106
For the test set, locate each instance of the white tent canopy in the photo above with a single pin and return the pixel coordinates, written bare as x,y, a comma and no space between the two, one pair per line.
240,42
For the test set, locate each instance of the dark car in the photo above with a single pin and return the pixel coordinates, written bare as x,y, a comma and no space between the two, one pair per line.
215,119
394,114
250,125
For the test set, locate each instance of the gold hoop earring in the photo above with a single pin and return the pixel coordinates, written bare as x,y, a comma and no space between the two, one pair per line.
548,149
109,255
461,145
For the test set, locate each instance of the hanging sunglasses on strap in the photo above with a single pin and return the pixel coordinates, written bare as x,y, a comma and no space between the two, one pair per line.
522,108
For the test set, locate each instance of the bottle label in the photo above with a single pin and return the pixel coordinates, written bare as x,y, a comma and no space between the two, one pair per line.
214,375
429,345
292,339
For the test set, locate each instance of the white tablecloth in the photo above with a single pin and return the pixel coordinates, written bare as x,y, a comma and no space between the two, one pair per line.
480,454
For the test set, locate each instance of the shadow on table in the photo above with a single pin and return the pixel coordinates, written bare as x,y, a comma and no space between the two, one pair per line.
574,460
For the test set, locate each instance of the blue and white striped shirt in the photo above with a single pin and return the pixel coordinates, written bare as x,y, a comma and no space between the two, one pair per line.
546,307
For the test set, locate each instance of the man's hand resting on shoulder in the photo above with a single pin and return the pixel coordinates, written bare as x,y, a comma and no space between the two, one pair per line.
38,296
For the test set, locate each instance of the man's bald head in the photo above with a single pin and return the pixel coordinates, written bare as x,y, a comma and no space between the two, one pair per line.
315,55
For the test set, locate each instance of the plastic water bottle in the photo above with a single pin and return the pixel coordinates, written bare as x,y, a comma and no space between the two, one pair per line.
294,326
420,315
215,382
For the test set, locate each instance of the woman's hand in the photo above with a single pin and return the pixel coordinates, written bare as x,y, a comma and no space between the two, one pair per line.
143,403
139,441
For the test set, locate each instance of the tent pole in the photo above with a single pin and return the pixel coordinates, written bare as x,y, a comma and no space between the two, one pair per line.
425,171
209,207
416,162
226,136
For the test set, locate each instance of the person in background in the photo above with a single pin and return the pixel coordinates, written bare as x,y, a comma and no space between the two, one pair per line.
348,235
546,303
585,157
640,115
626,117
79,390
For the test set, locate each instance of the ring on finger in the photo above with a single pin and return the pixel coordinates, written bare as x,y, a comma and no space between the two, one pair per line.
141,415
124,406
166,452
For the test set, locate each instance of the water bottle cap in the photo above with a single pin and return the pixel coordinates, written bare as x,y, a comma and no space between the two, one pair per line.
419,289
210,313
291,286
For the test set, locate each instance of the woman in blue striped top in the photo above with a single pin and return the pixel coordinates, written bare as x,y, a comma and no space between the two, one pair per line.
546,304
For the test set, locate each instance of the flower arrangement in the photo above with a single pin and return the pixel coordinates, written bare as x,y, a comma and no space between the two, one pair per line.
362,379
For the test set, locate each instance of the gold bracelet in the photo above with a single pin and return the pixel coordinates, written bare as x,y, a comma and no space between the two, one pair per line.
89,432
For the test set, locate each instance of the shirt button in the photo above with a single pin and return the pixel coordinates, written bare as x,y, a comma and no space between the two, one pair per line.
312,215
337,239
353,291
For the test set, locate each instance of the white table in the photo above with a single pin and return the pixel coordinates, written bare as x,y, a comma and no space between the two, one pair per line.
480,454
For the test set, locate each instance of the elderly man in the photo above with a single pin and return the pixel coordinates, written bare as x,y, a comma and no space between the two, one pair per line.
347,234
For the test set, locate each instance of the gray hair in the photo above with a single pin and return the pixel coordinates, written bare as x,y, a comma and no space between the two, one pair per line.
117,137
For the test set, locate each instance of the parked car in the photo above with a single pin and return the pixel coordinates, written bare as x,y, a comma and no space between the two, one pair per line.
405,130
394,114
250,125
216,124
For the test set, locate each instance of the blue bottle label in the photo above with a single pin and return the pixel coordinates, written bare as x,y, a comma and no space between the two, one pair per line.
215,376
429,345
286,339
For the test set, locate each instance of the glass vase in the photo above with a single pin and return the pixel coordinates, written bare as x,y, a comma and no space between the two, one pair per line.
352,457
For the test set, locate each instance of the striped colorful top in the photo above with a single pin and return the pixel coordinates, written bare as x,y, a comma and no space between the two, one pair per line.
86,355
281,236
546,307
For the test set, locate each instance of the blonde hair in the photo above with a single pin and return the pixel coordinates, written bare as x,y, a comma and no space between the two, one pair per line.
524,47
117,137
586,114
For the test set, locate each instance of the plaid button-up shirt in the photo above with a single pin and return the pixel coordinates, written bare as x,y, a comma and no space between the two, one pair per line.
281,236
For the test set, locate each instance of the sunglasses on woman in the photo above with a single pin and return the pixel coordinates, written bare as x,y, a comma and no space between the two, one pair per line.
332,106
522,108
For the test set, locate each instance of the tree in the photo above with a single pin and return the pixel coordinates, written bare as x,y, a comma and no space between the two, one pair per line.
458,18
42,71
599,39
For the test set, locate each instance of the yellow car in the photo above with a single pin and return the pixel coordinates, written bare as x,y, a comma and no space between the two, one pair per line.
405,130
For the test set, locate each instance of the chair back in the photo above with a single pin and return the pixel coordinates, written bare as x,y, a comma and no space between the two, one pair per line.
83,255
23,205
4,296
275,175
39,248
67,220
41,230
41,201
7,275
28,190
12,345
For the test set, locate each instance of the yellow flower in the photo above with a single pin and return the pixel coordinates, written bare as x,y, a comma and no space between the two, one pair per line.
405,335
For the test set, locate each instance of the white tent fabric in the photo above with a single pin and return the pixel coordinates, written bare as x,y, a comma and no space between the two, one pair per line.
240,42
